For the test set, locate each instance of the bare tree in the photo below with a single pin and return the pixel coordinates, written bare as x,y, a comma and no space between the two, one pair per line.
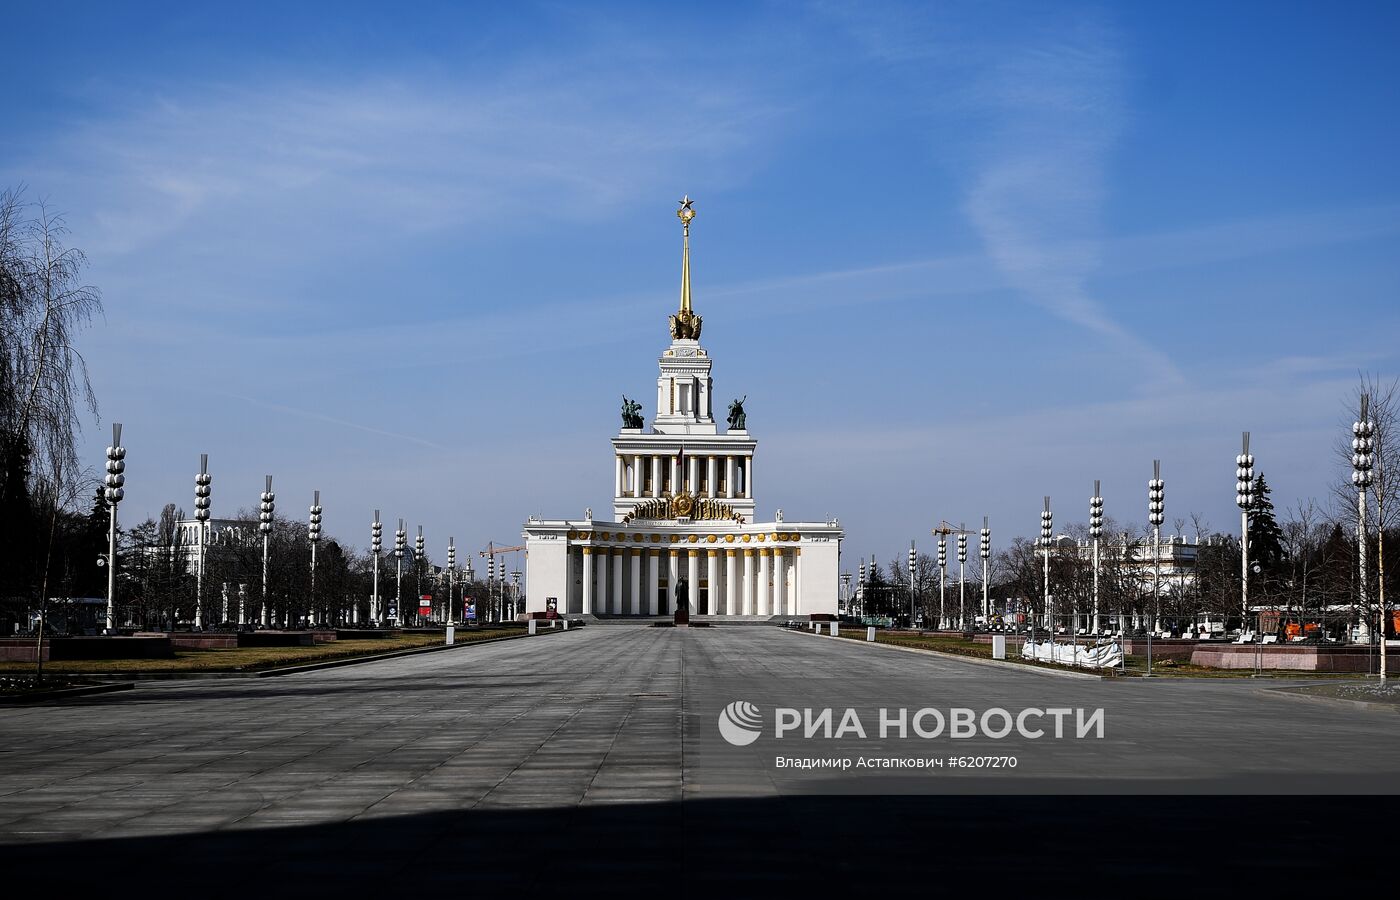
1383,411
43,303
43,386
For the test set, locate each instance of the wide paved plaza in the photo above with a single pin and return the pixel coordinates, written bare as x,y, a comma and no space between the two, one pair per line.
599,749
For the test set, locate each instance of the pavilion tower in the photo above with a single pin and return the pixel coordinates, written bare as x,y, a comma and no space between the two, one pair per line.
685,454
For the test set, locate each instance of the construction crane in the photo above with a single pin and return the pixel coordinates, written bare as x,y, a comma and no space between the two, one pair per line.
492,550
944,529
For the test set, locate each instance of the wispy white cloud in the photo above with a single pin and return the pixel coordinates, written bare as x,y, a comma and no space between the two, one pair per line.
1054,107
288,164
1033,111
322,417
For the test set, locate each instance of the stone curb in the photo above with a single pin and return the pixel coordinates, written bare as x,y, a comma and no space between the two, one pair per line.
65,693
1364,705
996,663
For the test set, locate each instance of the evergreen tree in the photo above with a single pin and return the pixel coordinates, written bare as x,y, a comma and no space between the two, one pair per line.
1265,537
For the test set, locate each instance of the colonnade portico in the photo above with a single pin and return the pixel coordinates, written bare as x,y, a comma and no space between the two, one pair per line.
615,577
721,476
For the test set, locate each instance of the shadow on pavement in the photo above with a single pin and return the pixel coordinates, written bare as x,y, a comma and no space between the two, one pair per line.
1048,846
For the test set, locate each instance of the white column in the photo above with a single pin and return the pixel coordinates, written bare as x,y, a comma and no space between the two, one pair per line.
692,579
711,473
637,607
729,470
656,476
712,576
693,476
675,476
748,477
618,476
731,582
603,566
765,581
637,478
587,580
780,594
748,582
615,607
653,604
797,581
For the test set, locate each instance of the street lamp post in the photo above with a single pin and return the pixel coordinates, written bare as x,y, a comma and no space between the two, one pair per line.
912,557
418,572
496,614
400,545
1047,530
469,576
265,513
1361,463
942,579
451,573
313,534
962,582
984,549
860,590
114,491
514,591
1244,499
1155,491
376,533
872,587
1095,533
202,491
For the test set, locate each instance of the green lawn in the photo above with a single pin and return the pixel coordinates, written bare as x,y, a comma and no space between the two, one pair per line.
248,659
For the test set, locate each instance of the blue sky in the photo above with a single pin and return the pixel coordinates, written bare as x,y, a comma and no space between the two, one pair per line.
957,255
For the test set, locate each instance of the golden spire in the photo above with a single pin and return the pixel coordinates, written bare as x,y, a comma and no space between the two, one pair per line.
685,324
685,214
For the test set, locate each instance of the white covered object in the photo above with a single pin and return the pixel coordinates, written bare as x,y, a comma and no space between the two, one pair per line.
1092,656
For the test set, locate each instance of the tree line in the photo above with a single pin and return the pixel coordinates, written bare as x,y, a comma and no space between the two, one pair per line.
1303,563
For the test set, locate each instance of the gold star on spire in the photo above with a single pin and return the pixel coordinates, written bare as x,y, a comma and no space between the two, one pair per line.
685,324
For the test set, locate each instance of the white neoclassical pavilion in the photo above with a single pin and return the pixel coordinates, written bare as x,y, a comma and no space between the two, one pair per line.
683,514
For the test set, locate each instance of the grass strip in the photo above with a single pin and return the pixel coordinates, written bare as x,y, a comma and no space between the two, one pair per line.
251,659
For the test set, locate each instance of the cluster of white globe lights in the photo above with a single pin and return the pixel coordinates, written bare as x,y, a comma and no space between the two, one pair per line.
114,489
1363,431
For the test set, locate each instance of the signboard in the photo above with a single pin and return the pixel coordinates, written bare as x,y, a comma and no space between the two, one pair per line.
471,611
551,607
426,603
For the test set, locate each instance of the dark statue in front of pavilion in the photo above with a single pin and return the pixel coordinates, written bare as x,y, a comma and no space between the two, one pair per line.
682,616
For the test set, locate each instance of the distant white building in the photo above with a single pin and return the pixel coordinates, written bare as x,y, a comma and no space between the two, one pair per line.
683,514
222,533
1176,561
